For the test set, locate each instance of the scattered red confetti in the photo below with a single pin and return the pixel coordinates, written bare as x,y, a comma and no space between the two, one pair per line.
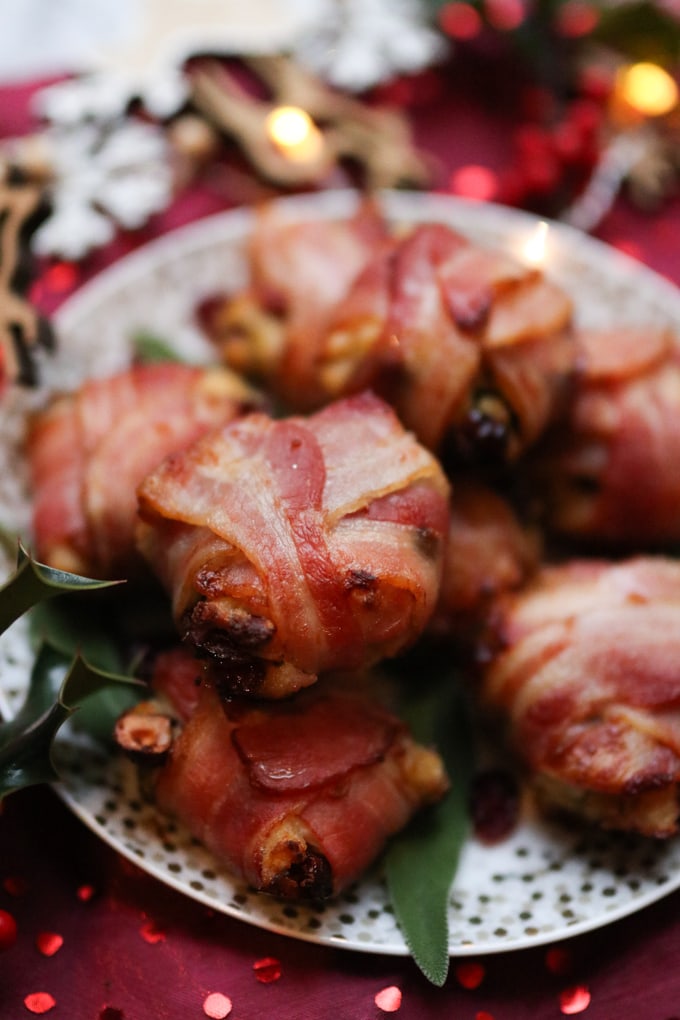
49,943
39,1002
85,893
474,181
8,929
217,1006
389,999
267,969
558,961
470,975
15,885
151,934
574,1000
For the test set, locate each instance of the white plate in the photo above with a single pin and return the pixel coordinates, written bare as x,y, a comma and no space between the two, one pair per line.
543,884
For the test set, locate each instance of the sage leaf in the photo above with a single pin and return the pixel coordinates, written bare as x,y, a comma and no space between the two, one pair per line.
149,348
422,861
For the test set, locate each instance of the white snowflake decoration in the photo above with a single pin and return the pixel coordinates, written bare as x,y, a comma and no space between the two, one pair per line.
146,63
103,177
356,44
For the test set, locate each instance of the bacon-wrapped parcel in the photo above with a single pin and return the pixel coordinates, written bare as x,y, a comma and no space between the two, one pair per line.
490,550
586,682
89,450
295,546
297,797
470,346
271,330
607,474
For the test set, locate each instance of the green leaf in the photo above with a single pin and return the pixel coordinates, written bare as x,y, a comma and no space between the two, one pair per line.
55,692
88,633
32,582
421,862
149,349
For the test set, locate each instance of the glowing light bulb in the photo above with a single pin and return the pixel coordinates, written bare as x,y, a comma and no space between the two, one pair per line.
294,134
648,89
535,247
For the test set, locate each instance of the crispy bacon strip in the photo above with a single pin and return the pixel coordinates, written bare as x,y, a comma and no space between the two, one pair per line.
470,347
299,272
607,472
587,683
296,546
88,452
489,551
299,797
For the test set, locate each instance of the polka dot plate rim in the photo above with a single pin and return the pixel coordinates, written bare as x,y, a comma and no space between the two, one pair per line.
545,883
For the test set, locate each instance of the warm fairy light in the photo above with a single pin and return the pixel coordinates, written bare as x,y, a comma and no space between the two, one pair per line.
294,133
535,246
648,89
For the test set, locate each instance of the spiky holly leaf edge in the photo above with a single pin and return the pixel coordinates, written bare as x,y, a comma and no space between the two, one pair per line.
62,679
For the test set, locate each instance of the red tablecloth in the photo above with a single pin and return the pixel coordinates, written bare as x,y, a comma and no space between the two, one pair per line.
134,950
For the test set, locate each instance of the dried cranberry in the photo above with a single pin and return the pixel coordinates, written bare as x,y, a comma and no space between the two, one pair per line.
494,805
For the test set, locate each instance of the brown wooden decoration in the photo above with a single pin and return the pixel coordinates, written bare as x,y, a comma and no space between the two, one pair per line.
22,329
376,139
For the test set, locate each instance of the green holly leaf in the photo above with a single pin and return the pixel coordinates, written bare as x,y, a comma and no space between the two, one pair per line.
77,667
88,633
32,582
55,693
421,862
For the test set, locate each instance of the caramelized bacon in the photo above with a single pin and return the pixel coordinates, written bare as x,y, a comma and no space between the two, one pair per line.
607,473
89,451
438,326
489,551
298,797
299,272
297,546
588,685
465,342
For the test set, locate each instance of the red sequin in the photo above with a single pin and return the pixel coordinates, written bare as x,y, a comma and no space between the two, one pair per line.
389,999
217,1006
8,929
267,969
151,934
574,1000
85,893
483,1015
470,975
49,943
39,1002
